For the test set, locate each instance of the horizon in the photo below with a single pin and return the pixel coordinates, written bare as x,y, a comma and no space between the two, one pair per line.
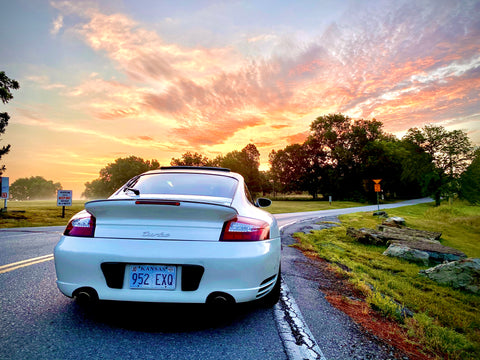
101,80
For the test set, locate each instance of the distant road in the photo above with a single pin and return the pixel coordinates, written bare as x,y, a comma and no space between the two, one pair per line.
284,219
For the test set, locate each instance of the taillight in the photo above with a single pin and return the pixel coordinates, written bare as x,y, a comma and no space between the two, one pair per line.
81,224
245,229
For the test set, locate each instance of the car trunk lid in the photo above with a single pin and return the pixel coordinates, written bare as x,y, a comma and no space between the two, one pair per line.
158,219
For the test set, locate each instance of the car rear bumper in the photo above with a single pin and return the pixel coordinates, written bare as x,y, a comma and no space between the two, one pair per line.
244,270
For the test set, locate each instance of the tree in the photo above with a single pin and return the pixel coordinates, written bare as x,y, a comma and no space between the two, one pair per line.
293,169
116,174
6,85
191,159
470,181
340,149
450,153
245,162
34,188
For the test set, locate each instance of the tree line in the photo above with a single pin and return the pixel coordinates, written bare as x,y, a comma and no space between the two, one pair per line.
114,175
339,158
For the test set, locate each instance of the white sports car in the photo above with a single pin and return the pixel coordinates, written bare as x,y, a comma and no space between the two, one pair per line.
176,235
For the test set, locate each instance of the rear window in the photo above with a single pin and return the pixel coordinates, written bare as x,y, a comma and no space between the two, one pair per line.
186,184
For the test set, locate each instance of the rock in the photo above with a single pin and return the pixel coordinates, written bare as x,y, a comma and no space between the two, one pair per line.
409,234
403,251
436,253
380,213
367,236
394,221
414,245
462,274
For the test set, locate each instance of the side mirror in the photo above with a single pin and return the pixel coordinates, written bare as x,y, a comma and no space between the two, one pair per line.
263,202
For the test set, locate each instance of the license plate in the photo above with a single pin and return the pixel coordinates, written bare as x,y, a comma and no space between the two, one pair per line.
158,277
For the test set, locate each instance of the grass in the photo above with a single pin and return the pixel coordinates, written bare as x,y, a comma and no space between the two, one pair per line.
37,213
291,206
46,213
446,321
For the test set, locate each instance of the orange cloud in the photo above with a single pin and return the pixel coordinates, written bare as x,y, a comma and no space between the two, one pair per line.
205,96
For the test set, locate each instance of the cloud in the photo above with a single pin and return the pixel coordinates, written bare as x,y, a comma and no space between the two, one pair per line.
297,138
144,56
44,82
404,63
57,25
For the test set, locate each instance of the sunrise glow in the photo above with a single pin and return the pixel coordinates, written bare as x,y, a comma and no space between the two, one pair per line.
107,79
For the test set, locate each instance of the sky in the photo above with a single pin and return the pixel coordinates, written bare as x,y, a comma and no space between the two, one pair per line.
101,80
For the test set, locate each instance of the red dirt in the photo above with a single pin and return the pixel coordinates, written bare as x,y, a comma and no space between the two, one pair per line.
343,296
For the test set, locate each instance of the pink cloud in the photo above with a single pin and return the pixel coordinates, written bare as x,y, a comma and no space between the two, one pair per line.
366,66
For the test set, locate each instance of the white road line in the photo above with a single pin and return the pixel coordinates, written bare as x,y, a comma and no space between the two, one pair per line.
298,340
24,263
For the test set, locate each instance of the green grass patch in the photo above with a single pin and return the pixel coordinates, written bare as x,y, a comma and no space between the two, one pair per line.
446,321
292,206
37,213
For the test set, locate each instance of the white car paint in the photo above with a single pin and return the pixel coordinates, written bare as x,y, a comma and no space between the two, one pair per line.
168,229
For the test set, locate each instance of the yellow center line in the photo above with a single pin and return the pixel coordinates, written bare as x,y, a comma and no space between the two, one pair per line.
23,263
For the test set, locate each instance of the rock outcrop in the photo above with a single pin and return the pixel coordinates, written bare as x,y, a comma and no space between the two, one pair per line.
462,274
414,245
423,252
394,221
405,252
367,236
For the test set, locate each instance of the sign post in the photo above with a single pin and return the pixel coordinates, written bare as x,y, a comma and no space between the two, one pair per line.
5,191
377,189
64,198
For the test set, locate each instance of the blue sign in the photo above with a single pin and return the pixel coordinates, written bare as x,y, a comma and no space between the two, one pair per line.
5,188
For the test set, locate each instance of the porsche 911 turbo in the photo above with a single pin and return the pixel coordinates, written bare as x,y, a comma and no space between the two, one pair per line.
173,235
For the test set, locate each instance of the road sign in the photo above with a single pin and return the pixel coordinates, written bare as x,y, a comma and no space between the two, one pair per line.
64,198
4,187
377,188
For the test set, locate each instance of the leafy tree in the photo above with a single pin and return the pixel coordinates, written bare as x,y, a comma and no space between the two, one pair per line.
191,159
245,162
470,181
340,150
450,153
34,188
400,165
6,85
116,174
293,169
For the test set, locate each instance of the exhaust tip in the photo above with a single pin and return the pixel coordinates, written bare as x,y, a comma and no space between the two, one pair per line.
220,299
85,296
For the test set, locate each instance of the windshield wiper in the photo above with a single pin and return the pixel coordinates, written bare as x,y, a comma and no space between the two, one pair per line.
135,191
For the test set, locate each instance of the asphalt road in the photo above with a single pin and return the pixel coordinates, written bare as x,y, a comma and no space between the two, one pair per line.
38,322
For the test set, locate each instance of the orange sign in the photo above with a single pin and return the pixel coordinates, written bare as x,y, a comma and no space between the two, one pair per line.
377,188
377,181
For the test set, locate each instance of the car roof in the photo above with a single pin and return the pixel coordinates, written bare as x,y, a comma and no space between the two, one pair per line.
196,170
